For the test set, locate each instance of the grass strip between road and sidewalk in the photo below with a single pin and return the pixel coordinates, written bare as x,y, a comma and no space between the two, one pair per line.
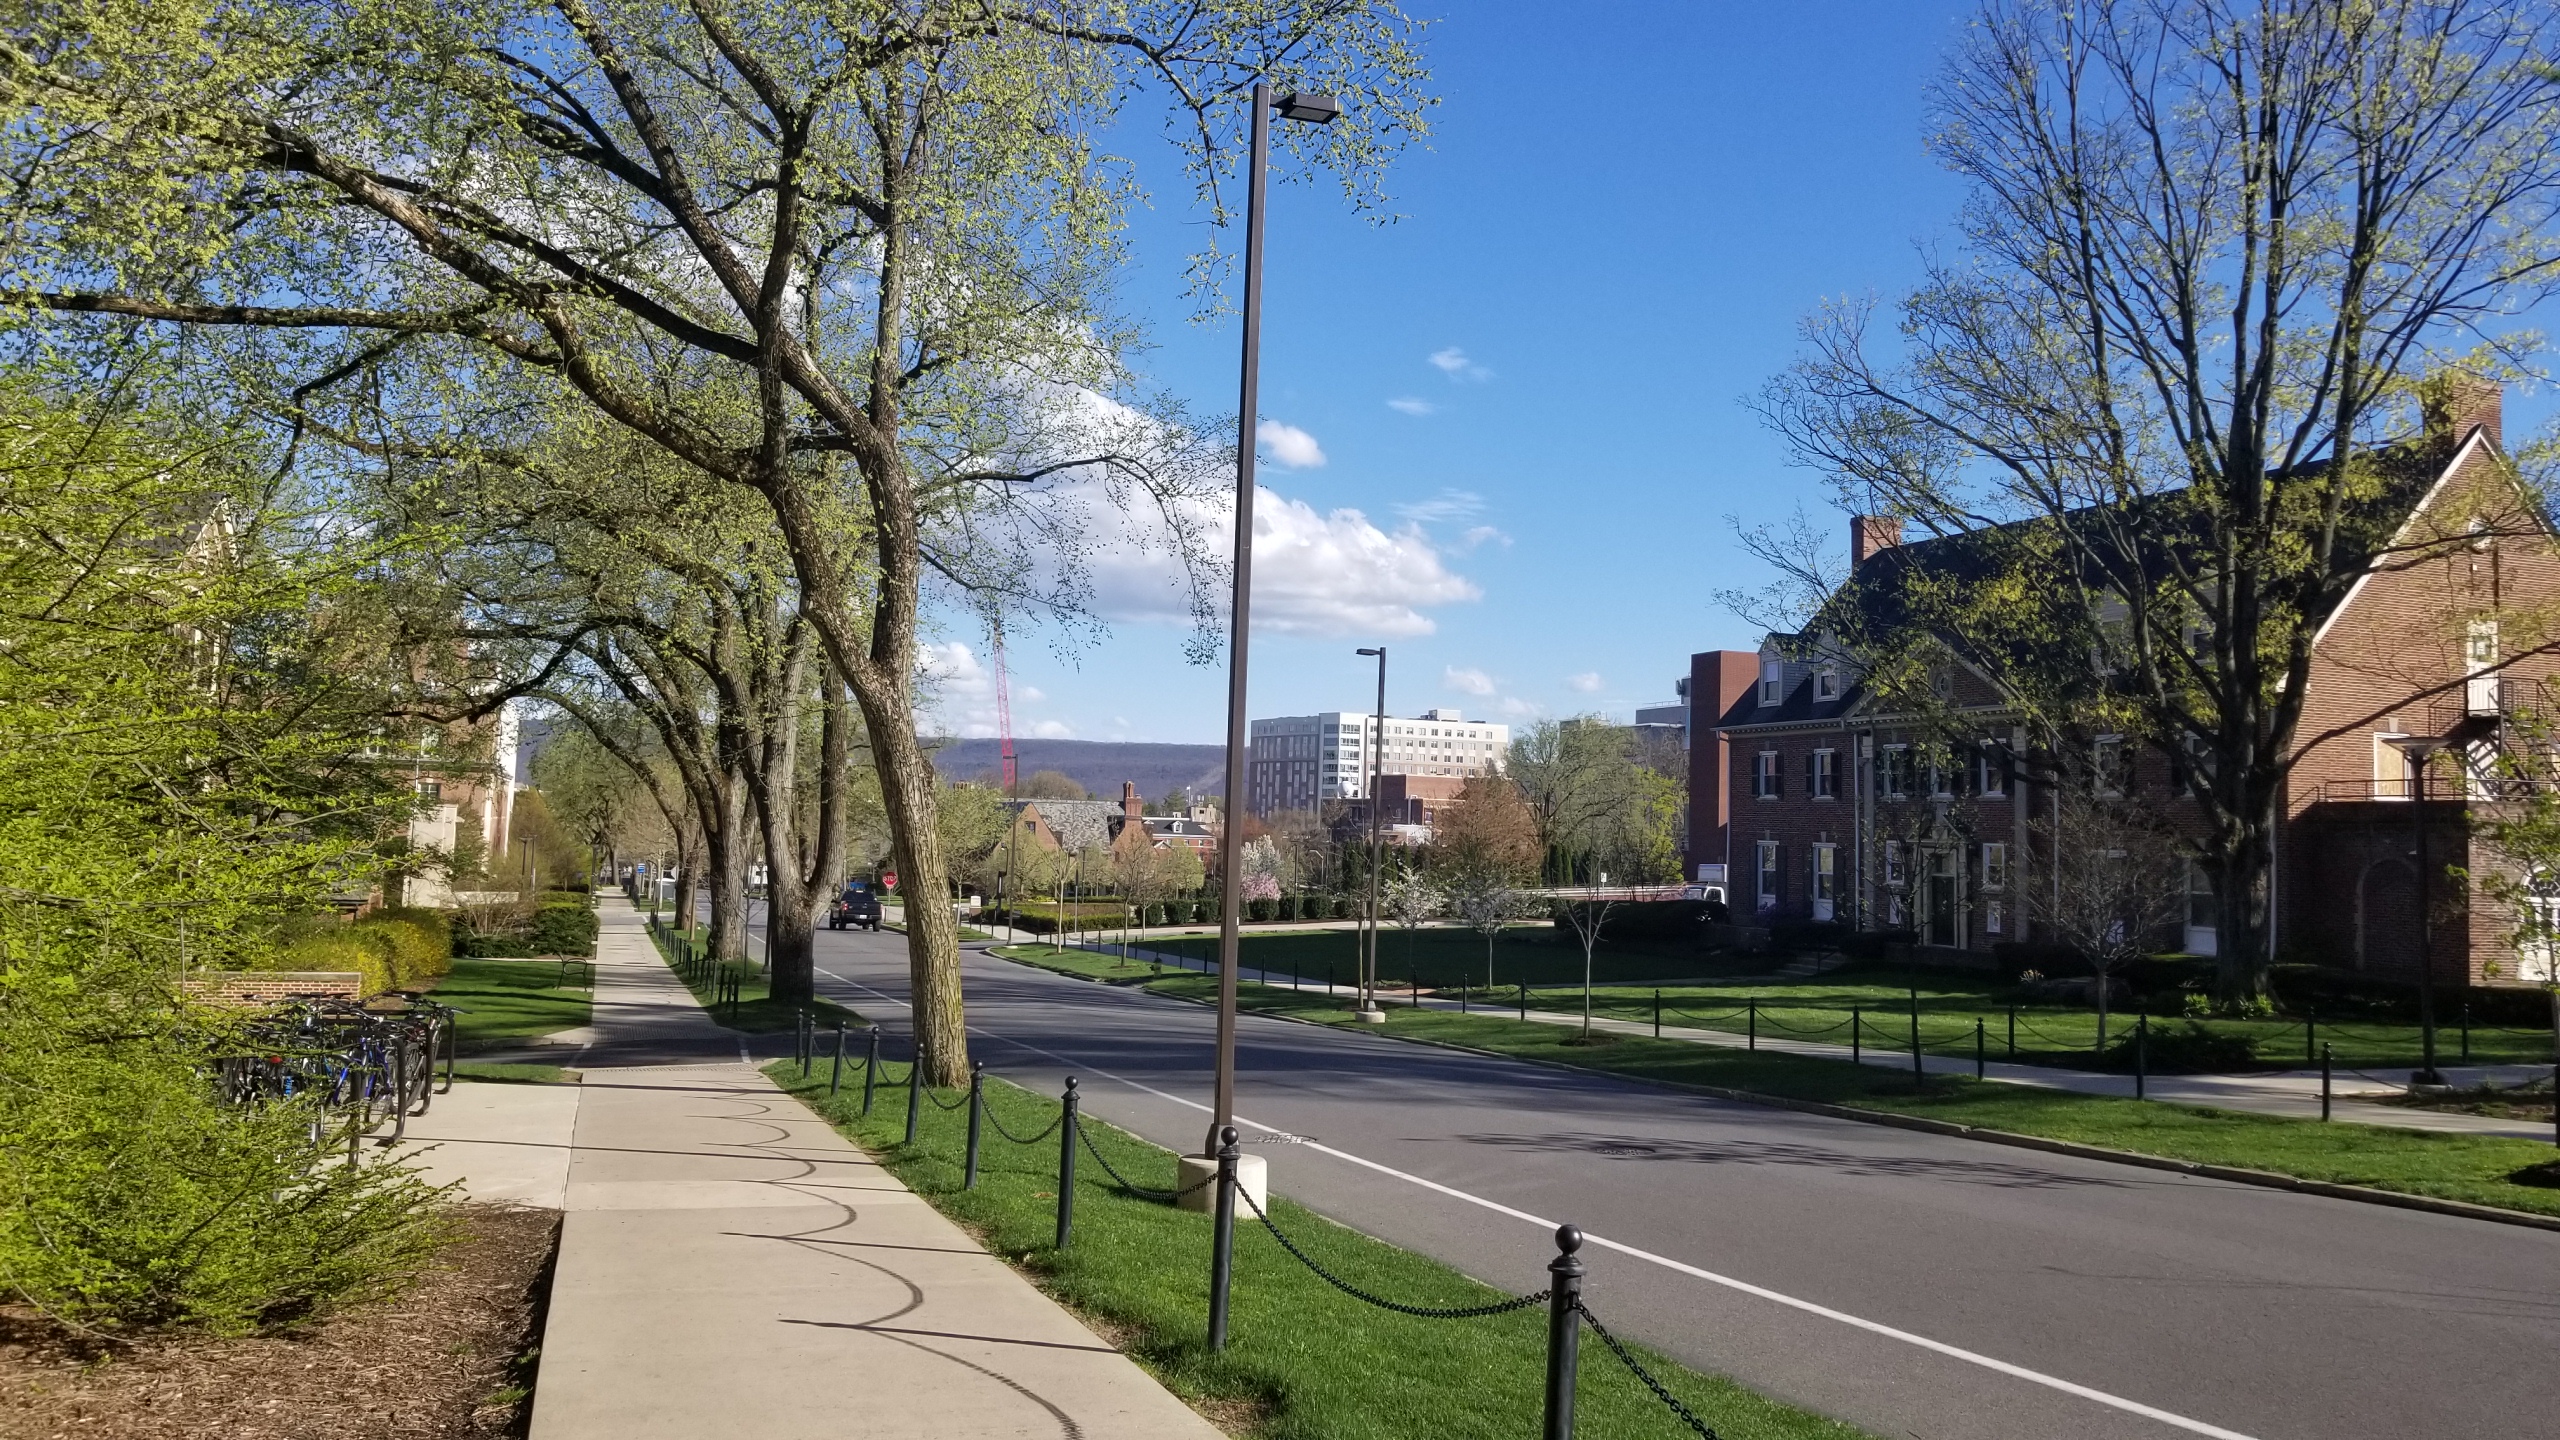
1304,1361
757,1012
2476,1169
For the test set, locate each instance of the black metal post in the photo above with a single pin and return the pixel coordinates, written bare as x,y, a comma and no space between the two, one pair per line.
1753,1006
835,1079
807,1025
2141,1051
2310,1038
2466,1032
870,1069
2427,1073
1067,1166
1919,1073
977,1109
915,1088
1980,1045
2013,1032
1524,1000
1857,1046
1564,1331
1222,1244
2326,1062
1657,1014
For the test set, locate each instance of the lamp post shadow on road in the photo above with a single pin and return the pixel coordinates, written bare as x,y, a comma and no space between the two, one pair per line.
1306,109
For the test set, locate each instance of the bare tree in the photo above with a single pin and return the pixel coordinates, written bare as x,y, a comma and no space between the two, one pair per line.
2117,887
2212,246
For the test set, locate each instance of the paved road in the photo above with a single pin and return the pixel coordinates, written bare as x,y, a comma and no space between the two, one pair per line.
1917,1285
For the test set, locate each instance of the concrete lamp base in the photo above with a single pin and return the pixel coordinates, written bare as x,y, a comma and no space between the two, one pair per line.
1253,1177
1372,1015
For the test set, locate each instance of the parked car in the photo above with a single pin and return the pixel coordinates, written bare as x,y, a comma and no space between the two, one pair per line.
858,906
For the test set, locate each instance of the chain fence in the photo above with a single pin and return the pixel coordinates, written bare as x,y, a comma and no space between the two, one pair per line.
1143,1192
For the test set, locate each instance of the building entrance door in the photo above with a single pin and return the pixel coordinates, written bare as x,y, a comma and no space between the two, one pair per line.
1941,920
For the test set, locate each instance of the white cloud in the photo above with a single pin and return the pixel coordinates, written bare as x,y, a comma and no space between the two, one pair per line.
1588,682
1314,573
1449,504
1411,405
1453,362
1468,682
1514,706
1290,446
1480,535
959,692
1030,694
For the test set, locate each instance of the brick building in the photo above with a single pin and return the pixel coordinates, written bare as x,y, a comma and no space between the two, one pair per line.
1811,800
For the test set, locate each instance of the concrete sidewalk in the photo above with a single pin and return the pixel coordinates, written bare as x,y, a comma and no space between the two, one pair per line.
2294,1094
729,1264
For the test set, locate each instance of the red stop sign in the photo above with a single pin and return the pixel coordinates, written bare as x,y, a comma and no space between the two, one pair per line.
889,878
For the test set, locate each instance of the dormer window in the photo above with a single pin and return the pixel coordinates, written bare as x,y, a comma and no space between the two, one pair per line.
1773,681
1826,684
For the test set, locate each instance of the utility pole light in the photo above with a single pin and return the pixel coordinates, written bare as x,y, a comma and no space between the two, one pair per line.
1370,1012
1313,110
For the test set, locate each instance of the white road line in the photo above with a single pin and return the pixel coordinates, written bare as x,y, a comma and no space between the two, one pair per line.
1953,1352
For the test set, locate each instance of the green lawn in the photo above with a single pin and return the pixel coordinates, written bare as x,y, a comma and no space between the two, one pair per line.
2484,1170
1446,958
1080,962
2046,1033
757,1012
503,1001
1304,1362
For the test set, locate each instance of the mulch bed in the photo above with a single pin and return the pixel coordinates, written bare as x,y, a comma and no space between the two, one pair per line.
448,1358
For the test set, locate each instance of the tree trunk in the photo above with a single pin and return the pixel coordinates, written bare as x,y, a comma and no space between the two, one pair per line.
933,936
2245,876
724,837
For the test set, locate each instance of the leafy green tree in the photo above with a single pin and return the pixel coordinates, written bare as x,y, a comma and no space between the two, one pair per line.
197,683
876,240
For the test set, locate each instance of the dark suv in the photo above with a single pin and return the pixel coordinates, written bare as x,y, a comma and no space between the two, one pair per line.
858,906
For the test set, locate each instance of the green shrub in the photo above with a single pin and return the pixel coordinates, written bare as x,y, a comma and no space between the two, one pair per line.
419,943
1263,910
1157,915
339,948
1344,907
564,929
2180,1048
129,1196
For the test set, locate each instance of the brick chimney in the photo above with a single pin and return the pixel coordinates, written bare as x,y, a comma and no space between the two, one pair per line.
1872,535
1132,809
2456,403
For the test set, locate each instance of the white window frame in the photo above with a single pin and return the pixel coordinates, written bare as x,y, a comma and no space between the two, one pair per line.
2107,767
1773,681
1989,765
1826,684
1768,775
1891,759
1894,871
1767,856
1995,866
1823,778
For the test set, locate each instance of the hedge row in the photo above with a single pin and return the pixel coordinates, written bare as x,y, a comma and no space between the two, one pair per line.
1041,918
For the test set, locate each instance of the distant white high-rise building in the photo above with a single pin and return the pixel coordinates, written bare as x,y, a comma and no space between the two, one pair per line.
1299,762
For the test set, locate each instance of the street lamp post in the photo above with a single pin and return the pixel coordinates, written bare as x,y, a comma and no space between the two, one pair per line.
2422,754
1317,110
1369,1008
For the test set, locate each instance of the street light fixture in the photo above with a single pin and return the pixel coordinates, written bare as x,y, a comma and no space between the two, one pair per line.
1369,1008
1315,110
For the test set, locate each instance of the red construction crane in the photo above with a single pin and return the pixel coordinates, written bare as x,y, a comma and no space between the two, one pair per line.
1004,709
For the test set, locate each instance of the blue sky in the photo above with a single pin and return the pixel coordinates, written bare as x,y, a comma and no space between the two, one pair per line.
1530,387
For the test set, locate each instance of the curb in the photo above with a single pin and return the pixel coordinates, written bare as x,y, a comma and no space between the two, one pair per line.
2232,1174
